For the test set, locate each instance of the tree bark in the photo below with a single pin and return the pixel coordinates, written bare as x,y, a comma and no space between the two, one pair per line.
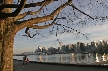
7,53
6,40
0,43
6,45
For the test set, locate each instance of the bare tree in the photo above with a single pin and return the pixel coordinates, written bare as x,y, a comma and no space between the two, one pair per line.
12,21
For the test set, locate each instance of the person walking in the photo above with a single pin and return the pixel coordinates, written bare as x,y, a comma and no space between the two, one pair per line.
24,59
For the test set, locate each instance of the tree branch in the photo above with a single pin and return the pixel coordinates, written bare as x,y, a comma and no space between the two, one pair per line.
16,12
37,20
20,16
39,27
27,5
81,11
43,27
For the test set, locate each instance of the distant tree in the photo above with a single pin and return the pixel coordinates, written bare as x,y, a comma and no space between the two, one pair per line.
12,21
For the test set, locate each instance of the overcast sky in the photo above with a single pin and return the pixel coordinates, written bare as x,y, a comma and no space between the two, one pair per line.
94,32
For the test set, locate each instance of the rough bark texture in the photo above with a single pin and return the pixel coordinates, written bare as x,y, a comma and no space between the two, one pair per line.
7,53
6,41
7,46
7,49
0,42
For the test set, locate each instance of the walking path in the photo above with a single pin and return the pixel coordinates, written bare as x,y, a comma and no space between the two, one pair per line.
18,66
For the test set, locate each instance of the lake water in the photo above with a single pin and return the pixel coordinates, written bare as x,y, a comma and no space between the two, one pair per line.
71,58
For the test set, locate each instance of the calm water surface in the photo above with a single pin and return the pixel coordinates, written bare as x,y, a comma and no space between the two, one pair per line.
68,58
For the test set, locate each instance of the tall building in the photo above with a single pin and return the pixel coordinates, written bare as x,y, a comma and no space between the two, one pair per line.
63,47
67,48
93,47
78,47
44,50
58,49
100,45
40,49
60,43
78,43
75,48
103,44
72,48
82,47
52,50
88,48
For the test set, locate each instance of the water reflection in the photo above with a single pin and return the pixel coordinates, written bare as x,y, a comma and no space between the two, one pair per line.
40,58
74,58
61,58
104,57
97,59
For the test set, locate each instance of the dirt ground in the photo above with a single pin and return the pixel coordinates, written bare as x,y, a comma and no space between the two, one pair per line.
18,66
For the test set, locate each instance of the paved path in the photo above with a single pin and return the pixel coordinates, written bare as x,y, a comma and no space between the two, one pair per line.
46,67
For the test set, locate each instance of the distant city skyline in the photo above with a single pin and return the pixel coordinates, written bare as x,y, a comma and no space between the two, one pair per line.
22,43
32,46
70,48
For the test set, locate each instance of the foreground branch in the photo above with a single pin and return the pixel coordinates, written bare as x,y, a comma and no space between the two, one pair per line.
26,5
39,27
37,20
20,16
45,26
16,12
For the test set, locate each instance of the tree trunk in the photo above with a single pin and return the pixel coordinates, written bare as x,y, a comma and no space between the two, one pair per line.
7,53
6,40
6,45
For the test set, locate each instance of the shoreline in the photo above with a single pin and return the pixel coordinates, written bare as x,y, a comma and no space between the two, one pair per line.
39,66
96,64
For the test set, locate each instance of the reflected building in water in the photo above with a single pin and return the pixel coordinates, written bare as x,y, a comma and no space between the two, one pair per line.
74,58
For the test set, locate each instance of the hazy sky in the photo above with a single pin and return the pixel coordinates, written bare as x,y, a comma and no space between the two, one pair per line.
97,32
